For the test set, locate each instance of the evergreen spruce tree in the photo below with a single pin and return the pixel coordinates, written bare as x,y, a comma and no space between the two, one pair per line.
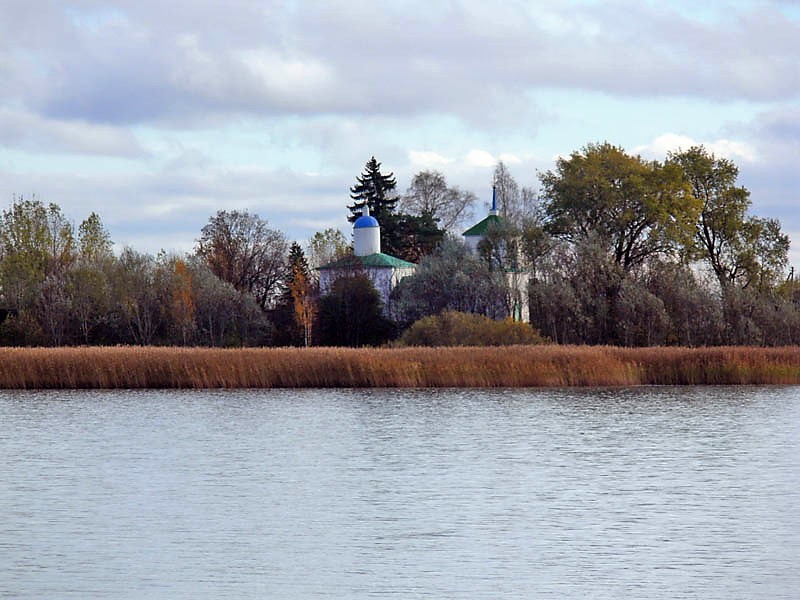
403,235
376,190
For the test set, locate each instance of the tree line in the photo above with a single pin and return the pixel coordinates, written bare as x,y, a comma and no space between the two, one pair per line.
617,249
612,249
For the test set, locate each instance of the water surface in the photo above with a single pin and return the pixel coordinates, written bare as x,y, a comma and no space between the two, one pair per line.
647,492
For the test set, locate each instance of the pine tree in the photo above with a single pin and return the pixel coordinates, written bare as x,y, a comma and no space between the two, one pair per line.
376,190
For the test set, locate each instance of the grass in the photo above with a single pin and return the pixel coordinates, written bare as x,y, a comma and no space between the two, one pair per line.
510,366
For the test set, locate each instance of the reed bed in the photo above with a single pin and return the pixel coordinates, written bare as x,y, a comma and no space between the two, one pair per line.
509,366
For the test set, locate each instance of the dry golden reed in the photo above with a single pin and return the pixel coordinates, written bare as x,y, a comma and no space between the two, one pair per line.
509,366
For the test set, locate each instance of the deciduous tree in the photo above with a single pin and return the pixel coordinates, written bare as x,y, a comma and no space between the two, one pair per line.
634,208
224,316
305,303
293,315
514,203
183,300
139,295
740,249
94,241
430,194
89,278
327,246
36,241
452,278
37,249
351,314
240,248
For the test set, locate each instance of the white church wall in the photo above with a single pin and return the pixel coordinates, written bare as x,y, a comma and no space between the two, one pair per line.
385,279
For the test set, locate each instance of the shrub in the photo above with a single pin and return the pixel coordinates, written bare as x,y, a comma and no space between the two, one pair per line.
453,328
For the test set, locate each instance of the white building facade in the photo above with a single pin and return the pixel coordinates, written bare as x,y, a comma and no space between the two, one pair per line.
383,270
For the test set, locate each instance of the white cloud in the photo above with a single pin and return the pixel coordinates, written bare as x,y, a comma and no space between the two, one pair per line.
733,150
308,87
199,59
510,159
27,130
428,159
480,158
673,142
163,209
254,79
287,76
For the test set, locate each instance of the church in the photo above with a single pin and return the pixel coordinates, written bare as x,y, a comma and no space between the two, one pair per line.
386,271
383,270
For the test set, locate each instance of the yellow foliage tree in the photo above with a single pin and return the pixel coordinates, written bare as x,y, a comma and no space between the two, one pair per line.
305,306
183,301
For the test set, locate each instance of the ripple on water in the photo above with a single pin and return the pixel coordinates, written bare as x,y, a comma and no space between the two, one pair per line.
643,492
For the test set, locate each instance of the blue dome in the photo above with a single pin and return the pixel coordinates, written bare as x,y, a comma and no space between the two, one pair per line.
365,221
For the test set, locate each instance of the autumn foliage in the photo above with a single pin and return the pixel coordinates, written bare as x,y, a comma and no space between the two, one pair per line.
453,328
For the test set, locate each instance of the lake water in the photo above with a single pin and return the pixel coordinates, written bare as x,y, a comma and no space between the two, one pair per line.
626,493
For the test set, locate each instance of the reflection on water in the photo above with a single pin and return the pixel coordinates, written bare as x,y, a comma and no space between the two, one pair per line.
646,492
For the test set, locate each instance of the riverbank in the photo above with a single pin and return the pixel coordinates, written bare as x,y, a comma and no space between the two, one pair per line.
510,366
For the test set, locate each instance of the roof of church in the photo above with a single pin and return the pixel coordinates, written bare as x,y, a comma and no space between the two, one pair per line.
482,227
365,221
377,260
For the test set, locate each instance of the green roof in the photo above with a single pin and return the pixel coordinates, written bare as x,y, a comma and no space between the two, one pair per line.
377,260
482,227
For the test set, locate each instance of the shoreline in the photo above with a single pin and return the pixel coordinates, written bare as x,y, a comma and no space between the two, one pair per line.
129,367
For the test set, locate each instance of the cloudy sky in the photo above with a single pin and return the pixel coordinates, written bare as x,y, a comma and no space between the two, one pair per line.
156,114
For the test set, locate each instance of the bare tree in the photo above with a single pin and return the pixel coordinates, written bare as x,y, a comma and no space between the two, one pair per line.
89,286
452,278
138,288
429,193
241,249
